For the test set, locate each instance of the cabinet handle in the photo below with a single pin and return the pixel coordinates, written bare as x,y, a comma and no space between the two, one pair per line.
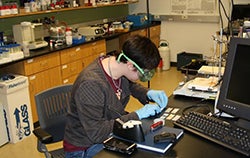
30,61
65,66
72,54
65,81
83,65
94,49
72,69
44,63
77,49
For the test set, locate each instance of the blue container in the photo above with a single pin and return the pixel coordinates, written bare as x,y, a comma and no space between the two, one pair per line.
78,40
139,19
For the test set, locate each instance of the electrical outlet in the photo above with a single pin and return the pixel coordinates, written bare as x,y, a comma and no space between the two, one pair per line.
184,17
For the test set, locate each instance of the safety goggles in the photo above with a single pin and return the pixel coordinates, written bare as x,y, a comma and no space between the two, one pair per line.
144,74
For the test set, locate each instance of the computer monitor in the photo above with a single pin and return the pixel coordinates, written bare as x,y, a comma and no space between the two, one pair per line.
240,12
234,97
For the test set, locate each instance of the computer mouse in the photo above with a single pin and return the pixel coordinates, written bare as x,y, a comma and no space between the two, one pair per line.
164,137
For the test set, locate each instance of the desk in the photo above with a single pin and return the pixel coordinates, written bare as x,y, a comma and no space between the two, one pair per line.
189,146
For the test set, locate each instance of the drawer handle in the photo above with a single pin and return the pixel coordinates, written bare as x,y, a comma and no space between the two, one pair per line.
64,66
72,54
65,81
43,64
77,49
73,69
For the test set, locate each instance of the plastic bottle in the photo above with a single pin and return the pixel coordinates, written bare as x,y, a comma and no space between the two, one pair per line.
165,55
14,9
69,37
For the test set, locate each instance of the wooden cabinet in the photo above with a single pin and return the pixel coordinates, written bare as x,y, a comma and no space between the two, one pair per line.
42,81
43,72
75,59
71,63
61,67
155,32
142,32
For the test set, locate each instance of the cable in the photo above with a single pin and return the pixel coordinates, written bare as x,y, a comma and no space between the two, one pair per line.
221,20
193,107
224,10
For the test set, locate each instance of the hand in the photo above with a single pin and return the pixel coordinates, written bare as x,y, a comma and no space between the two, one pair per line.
158,97
148,110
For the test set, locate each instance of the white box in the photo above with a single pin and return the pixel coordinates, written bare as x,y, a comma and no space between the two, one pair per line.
14,95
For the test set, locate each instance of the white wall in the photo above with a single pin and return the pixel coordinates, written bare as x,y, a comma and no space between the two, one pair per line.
193,37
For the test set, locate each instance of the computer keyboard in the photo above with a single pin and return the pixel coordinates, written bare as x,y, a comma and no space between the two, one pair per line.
216,130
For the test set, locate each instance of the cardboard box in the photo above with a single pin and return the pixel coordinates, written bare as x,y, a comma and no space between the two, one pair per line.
14,95
185,58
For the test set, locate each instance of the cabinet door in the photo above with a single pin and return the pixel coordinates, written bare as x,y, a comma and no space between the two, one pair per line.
142,32
87,60
156,41
41,81
70,69
155,32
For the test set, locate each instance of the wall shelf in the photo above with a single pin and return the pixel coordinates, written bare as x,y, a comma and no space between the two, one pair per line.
23,13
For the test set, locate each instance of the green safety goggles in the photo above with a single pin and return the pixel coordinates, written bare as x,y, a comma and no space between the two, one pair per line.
144,74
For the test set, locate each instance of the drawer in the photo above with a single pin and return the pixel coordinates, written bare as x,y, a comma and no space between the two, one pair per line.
41,63
70,79
71,68
71,54
96,47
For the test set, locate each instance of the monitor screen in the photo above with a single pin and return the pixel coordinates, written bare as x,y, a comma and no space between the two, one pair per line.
234,97
240,12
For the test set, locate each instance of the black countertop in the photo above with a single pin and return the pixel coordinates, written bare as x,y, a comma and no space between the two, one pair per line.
48,49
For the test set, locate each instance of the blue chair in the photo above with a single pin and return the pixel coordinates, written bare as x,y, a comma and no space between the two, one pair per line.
52,107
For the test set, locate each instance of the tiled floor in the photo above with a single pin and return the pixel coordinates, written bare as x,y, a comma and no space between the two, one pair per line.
165,80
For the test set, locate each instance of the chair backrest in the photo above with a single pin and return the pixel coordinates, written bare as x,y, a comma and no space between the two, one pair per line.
52,107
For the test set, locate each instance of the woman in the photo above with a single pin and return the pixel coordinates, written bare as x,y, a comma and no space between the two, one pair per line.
101,92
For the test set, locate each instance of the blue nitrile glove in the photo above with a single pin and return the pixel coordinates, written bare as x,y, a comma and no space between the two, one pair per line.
148,110
158,97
